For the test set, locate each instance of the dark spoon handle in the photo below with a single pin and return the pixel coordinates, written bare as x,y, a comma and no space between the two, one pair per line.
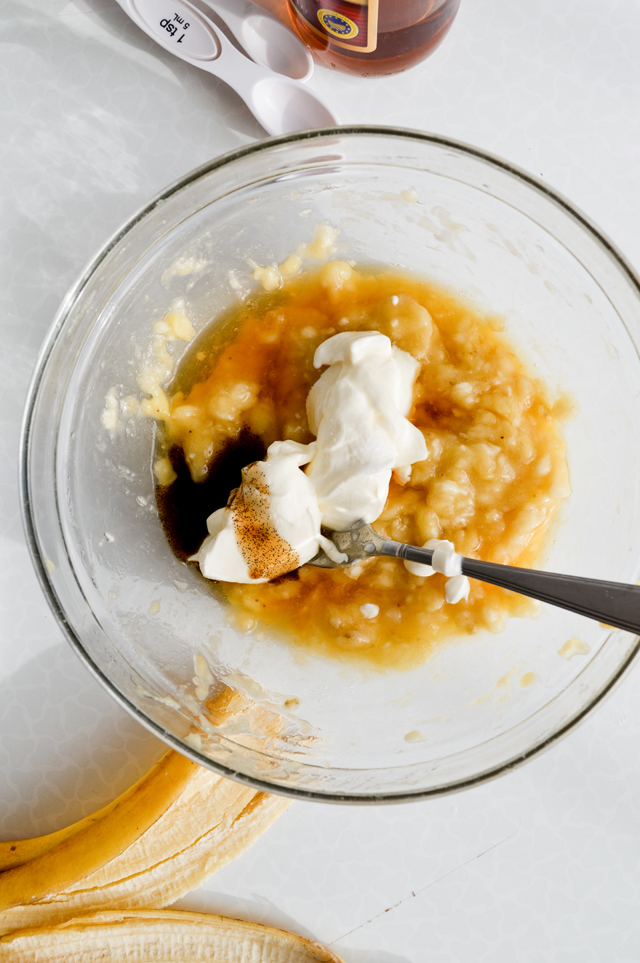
614,603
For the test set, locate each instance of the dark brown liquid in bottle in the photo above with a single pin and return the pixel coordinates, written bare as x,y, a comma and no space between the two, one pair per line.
408,31
185,505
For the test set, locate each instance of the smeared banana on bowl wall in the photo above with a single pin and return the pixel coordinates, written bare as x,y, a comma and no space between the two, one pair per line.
158,840
149,936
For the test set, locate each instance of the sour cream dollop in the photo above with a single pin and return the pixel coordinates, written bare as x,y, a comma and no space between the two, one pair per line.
357,409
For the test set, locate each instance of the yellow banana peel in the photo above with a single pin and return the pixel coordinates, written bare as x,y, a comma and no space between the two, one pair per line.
158,884
161,838
168,935
14,853
210,821
96,843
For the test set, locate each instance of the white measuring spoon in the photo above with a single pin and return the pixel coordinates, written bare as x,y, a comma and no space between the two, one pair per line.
280,104
265,39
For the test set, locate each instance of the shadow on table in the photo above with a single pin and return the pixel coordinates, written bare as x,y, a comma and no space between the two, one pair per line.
369,956
66,747
259,909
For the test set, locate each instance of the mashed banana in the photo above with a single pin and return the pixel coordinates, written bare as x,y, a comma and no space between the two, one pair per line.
494,476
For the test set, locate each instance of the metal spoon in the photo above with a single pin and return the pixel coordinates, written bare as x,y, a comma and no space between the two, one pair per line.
265,39
279,103
611,602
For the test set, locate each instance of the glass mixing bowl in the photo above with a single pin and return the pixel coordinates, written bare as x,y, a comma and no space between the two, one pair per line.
139,617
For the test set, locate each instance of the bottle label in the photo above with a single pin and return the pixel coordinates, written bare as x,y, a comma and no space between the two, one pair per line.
352,24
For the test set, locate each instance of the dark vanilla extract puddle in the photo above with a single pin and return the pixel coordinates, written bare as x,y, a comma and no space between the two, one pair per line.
185,505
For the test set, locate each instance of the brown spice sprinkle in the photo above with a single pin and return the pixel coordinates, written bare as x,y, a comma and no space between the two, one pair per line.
266,554
495,474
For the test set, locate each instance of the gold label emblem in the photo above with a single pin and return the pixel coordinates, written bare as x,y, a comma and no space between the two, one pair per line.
337,25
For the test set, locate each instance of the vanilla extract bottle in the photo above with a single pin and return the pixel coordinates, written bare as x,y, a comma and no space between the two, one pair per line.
372,37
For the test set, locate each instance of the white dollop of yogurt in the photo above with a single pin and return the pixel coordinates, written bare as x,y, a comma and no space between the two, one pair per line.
357,409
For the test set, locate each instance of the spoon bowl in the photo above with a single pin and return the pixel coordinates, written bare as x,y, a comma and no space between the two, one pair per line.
266,40
283,106
268,43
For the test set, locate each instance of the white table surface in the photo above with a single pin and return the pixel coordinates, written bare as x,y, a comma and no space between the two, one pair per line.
542,864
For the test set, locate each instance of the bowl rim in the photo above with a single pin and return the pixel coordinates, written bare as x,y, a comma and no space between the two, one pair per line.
55,330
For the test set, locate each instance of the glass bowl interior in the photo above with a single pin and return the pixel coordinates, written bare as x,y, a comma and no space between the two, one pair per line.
139,617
